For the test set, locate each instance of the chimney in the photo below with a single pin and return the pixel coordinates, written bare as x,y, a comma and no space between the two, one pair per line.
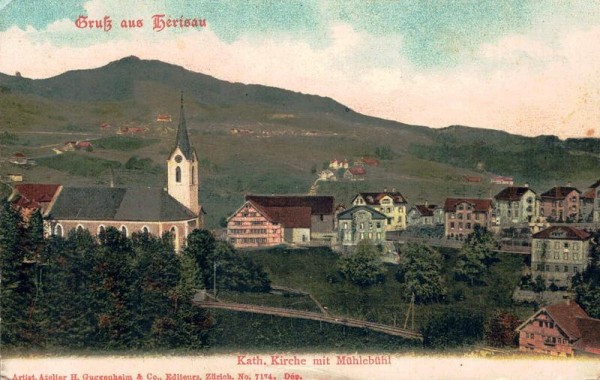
385,189
426,203
525,184
569,184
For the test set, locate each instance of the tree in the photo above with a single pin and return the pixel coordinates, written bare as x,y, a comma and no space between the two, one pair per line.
500,329
476,256
421,273
233,270
16,278
363,267
454,327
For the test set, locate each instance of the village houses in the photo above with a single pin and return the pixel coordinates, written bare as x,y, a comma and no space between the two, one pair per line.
591,199
559,252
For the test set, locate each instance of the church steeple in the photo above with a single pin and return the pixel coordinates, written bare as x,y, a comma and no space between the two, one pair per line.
182,168
183,140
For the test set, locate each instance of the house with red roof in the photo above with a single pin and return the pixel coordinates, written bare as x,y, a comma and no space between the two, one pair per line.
267,220
563,329
18,159
561,203
30,197
462,215
559,252
516,205
355,173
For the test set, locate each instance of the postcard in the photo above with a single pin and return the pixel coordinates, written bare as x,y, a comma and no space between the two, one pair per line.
262,190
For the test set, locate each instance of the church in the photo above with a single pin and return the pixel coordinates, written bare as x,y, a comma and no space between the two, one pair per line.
155,211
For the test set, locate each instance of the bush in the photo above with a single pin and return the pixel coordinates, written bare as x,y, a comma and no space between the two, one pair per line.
452,328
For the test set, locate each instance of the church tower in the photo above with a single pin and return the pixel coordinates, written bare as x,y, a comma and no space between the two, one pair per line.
182,168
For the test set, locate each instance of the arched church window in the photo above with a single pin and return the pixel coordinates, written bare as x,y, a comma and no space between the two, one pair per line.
79,228
145,230
178,174
124,230
192,174
58,230
101,229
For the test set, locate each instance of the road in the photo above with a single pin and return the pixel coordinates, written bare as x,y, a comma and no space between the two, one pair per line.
291,313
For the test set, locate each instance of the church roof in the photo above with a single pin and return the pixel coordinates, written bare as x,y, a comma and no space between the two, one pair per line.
118,203
183,140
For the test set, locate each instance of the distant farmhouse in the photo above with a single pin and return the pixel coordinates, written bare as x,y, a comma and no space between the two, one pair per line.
131,210
268,220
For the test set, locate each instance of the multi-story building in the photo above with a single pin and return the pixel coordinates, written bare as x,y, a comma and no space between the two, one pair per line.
515,205
267,220
390,203
361,223
560,204
558,252
463,215
563,329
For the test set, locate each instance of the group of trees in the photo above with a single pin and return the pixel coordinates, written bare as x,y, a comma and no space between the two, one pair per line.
110,291
363,266
587,284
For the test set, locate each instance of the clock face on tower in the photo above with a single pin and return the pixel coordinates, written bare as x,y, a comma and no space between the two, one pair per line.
178,158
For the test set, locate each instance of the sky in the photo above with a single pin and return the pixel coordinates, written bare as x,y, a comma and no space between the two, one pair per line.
526,67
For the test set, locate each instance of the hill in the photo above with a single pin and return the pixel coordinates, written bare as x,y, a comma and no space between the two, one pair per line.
256,139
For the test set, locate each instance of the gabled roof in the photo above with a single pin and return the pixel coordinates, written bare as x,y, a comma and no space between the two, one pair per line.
32,195
589,328
357,170
425,210
565,232
121,204
559,192
183,140
480,205
318,204
374,199
347,214
290,217
512,193
564,315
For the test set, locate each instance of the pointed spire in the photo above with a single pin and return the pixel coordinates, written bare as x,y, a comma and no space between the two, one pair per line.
183,140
